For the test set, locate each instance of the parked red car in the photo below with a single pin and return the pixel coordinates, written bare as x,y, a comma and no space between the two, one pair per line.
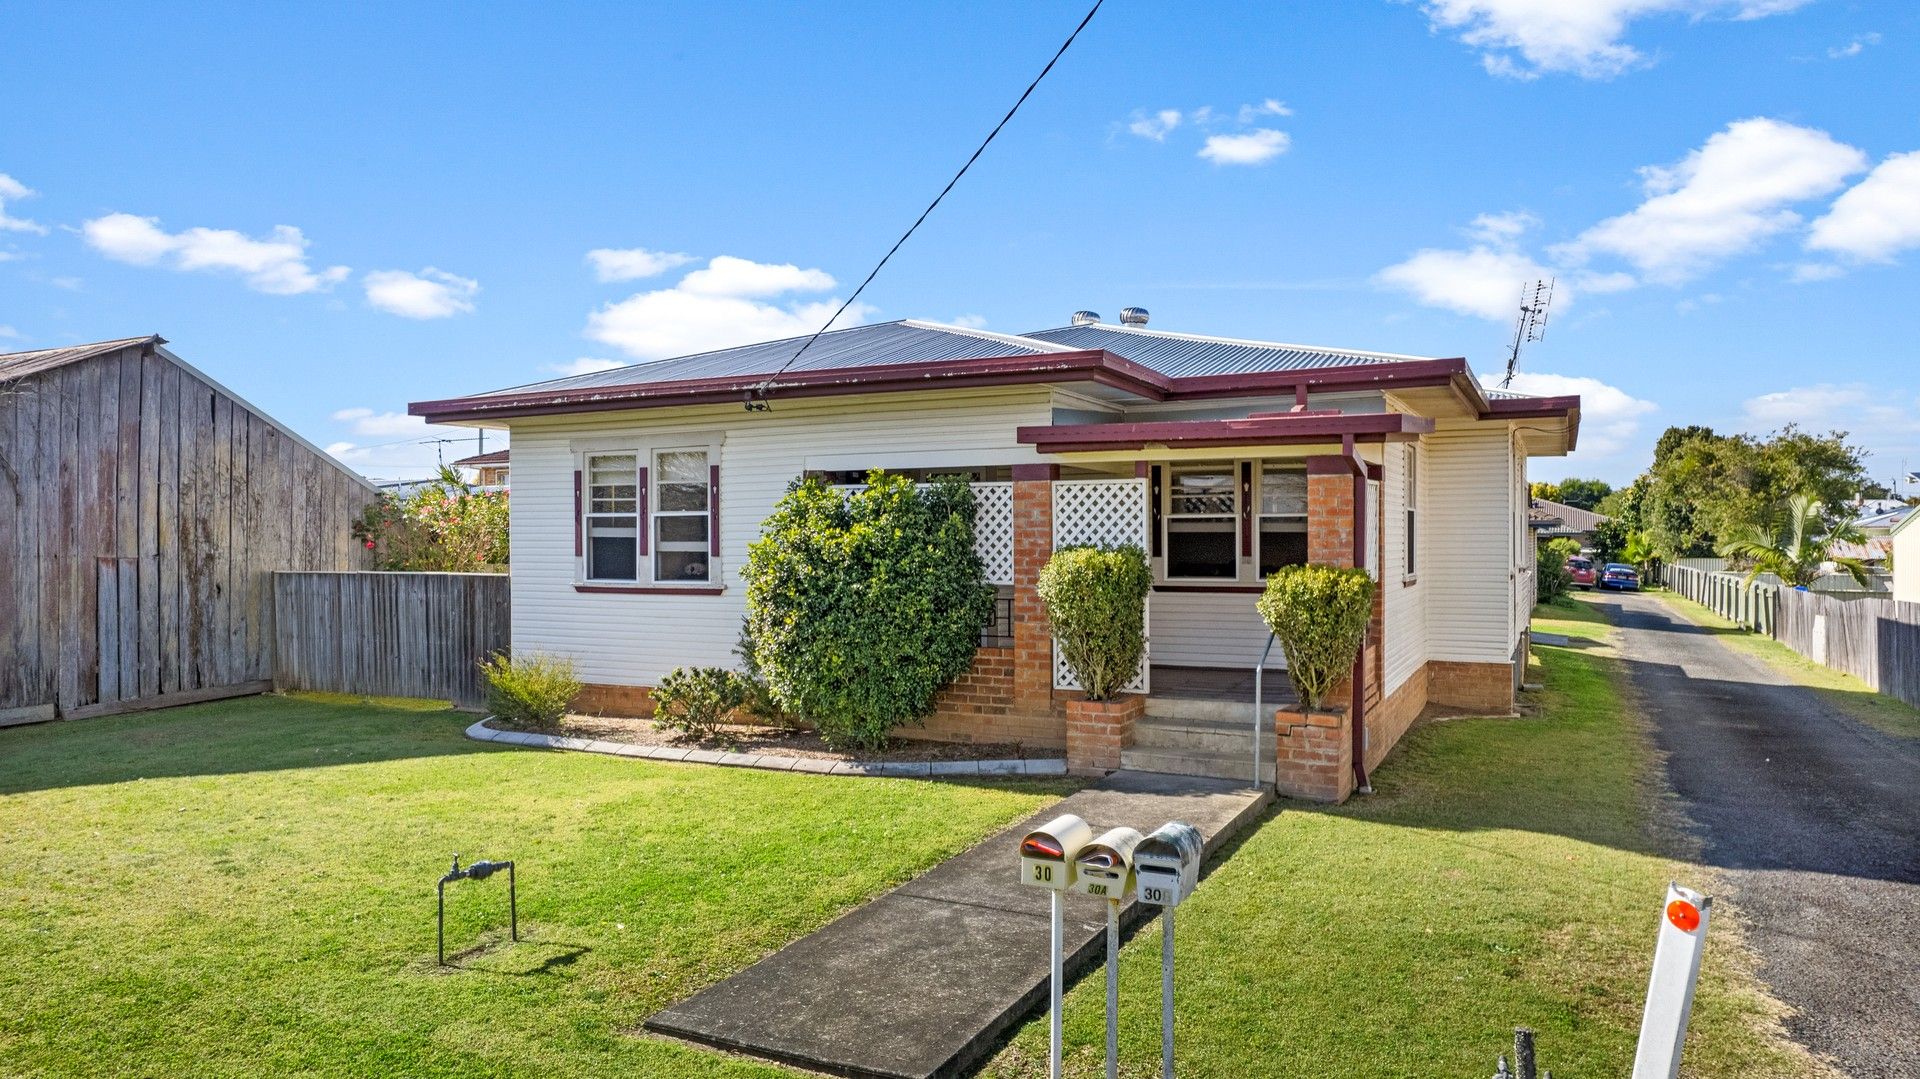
1584,575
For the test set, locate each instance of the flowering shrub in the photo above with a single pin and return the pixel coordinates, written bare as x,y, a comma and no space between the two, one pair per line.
445,526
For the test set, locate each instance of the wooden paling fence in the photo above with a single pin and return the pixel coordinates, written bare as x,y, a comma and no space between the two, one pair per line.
389,634
1875,640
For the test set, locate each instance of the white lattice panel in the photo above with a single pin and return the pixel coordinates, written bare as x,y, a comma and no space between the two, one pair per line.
993,530
992,526
1101,513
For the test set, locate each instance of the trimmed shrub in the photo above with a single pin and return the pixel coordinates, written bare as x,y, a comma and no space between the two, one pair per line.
1551,578
1320,615
862,606
1096,599
696,700
533,690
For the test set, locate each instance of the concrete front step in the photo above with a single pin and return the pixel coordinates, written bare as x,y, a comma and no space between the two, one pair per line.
1203,708
1182,737
1238,766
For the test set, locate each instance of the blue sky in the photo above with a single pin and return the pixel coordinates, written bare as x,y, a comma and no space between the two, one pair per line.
336,210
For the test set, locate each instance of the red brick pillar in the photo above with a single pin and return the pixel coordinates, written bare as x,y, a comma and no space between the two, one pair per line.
1032,546
1337,534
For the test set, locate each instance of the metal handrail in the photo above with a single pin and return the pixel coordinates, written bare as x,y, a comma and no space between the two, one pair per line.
1259,679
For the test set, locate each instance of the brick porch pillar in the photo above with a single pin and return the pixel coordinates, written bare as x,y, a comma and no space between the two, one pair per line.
1337,535
1032,546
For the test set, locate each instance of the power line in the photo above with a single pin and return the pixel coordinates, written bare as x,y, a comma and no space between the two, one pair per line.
756,401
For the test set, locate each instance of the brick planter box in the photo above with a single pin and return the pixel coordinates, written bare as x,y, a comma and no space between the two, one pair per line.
1098,730
1313,754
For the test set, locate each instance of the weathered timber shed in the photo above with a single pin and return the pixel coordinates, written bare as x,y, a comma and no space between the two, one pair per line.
143,510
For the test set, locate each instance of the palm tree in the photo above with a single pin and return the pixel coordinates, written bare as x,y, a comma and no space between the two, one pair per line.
1793,543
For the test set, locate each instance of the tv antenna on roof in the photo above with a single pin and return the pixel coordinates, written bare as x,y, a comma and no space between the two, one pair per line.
1535,298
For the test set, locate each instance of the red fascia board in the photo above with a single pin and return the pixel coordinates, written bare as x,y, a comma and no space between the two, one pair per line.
1087,365
1308,428
1359,376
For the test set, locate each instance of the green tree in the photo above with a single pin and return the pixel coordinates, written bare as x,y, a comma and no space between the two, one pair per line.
444,526
1705,488
1793,543
1573,491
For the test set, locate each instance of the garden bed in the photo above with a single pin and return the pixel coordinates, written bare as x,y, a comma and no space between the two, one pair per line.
782,742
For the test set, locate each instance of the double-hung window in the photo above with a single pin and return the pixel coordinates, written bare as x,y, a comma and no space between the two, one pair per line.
682,522
1202,521
613,517
1283,517
1412,523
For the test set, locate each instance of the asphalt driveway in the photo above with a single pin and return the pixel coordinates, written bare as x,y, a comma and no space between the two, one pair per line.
1814,819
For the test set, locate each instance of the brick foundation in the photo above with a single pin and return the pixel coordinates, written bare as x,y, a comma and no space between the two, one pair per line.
1313,755
1098,730
600,699
1389,721
1485,688
979,707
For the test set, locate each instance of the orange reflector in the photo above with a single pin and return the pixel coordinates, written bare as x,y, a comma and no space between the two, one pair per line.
1684,915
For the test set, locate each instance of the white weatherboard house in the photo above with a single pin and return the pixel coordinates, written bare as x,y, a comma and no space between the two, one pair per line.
637,490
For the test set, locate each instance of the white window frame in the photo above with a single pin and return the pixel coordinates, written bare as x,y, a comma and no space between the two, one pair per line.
1260,517
1167,517
588,516
648,451
1410,513
656,540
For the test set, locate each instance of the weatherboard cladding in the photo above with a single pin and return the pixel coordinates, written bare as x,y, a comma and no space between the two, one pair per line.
888,344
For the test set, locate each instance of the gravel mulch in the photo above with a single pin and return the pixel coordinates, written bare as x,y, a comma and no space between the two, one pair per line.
782,742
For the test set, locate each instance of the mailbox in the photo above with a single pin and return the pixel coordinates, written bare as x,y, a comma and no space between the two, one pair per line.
1166,864
1047,854
1105,866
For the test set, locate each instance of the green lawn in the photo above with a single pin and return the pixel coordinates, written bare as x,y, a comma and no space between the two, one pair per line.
1843,691
1507,872
246,889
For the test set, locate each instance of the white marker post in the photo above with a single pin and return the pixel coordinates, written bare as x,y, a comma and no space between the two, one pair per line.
1047,861
1676,967
1105,870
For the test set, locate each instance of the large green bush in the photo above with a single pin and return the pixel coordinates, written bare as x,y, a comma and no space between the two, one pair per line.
1320,615
1551,578
1097,602
445,526
861,606
533,690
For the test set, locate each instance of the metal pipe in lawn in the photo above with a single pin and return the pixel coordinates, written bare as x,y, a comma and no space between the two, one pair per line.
1053,991
1166,993
1113,989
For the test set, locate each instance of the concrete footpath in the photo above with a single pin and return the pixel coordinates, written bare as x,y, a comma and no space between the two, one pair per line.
925,980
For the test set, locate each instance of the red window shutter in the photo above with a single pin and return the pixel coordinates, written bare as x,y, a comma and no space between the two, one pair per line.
579,519
640,520
713,510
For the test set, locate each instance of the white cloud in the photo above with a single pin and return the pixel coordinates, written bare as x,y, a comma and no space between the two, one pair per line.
1853,48
1251,148
970,322
1525,38
9,333
1270,107
718,306
1877,218
1721,199
1887,424
430,293
585,365
1156,126
1483,281
1609,416
367,422
276,264
11,188
1816,271
72,284
726,275
1504,228
632,263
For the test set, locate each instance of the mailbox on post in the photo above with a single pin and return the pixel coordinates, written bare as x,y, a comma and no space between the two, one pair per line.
1166,864
1047,854
1047,860
1104,867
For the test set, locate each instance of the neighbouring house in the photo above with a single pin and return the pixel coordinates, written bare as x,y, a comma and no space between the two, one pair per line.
1557,520
640,488
1905,551
484,469
143,508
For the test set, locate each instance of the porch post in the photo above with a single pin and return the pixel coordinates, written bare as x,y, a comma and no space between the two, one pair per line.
1337,536
1032,546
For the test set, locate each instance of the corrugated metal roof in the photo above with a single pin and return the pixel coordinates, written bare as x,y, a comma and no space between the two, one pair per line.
1185,355
21,364
878,345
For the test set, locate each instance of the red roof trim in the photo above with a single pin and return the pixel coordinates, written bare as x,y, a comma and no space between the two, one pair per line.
1281,430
